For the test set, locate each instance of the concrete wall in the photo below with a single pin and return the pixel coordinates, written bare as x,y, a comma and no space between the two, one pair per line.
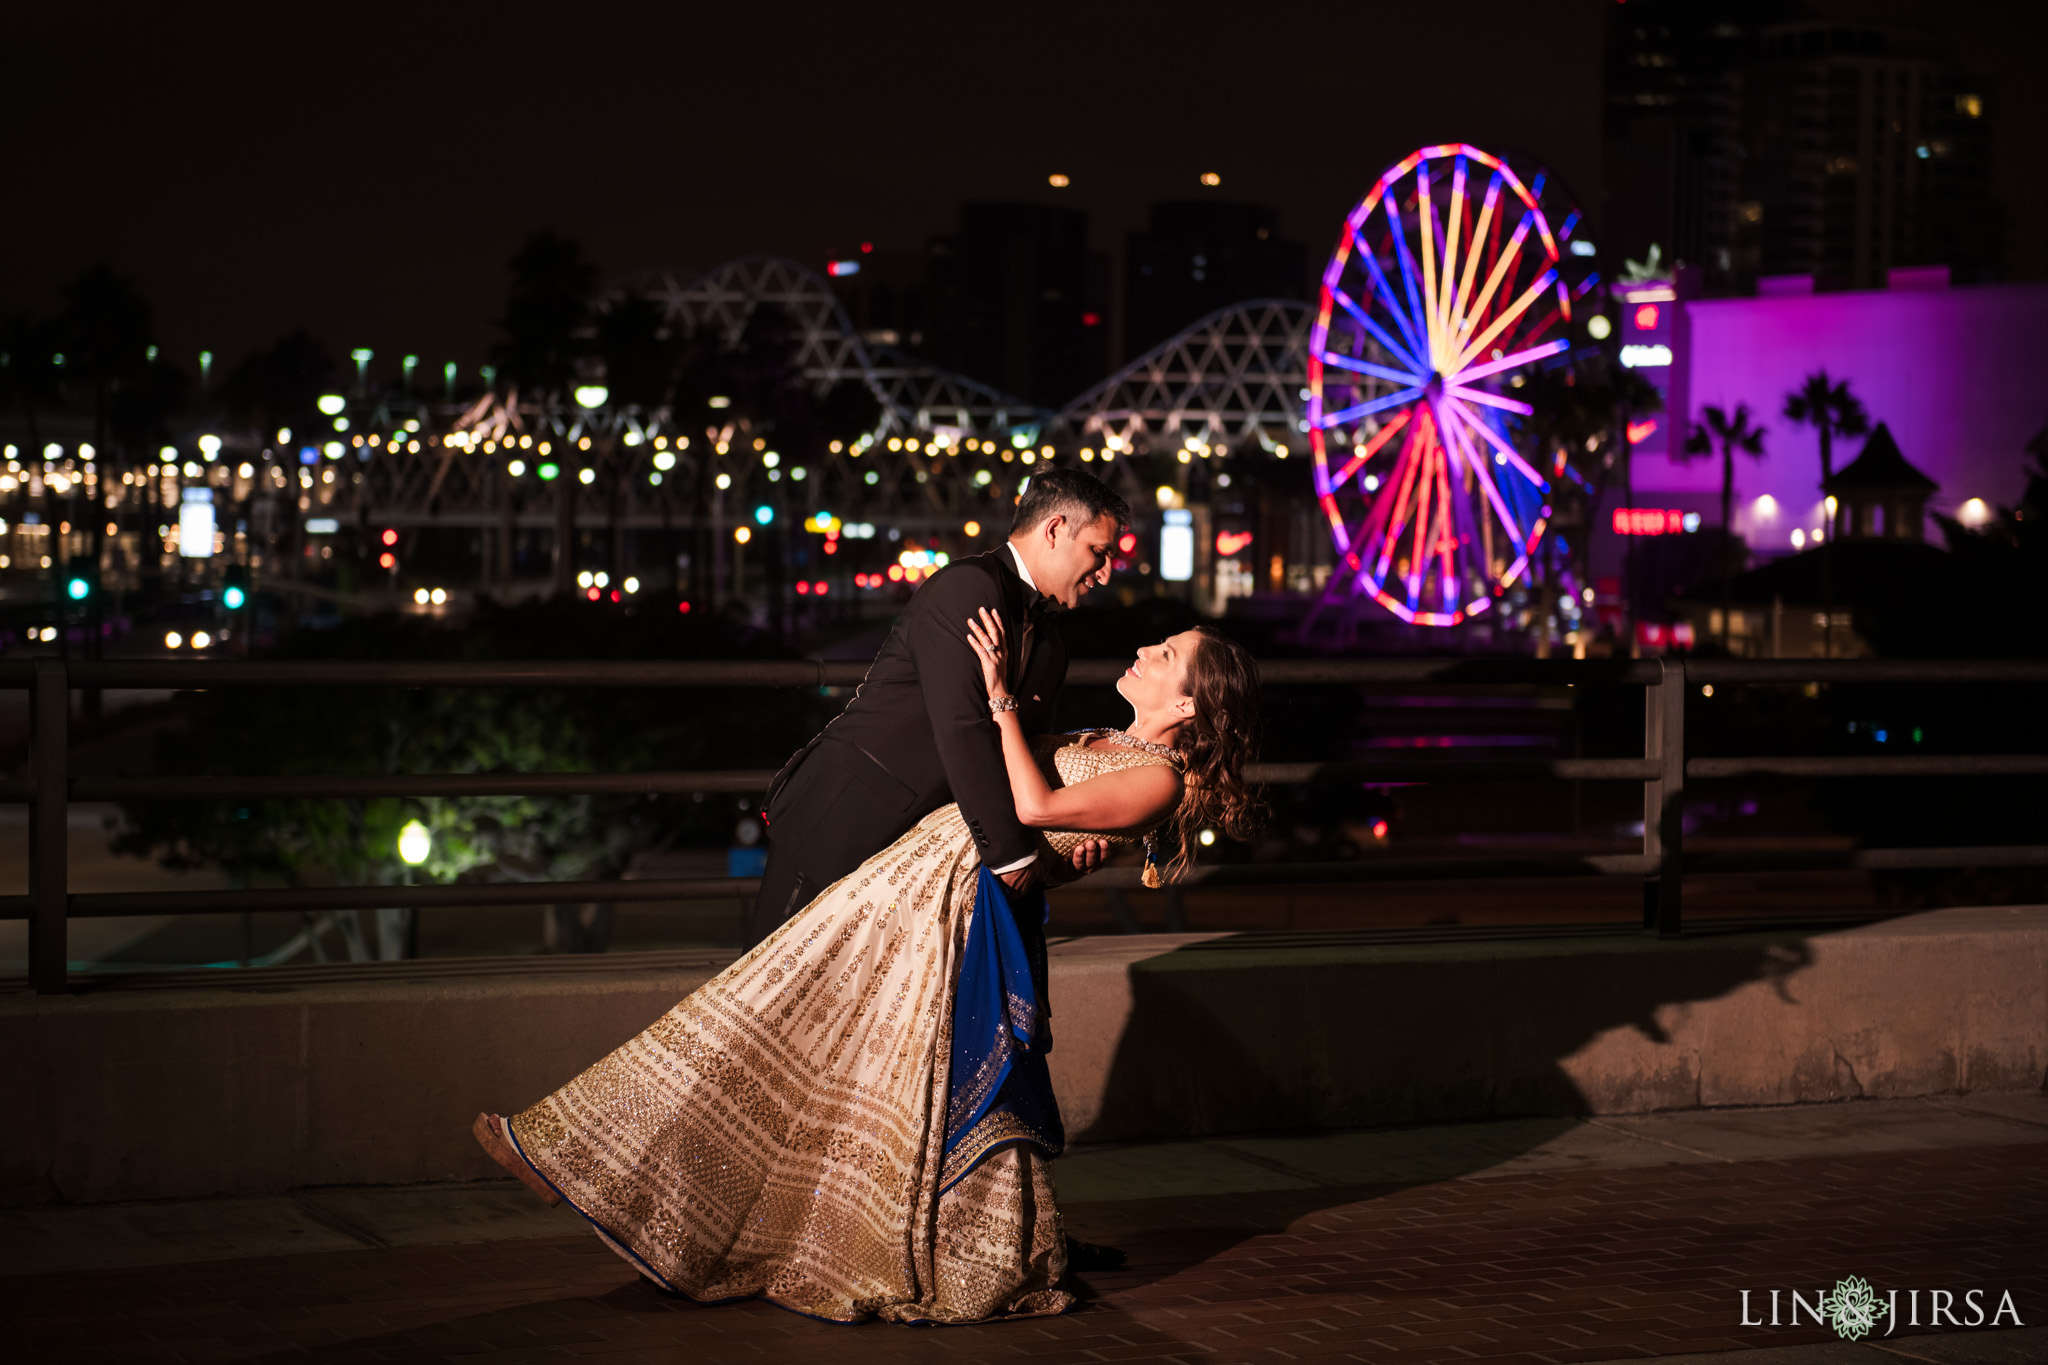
339,1076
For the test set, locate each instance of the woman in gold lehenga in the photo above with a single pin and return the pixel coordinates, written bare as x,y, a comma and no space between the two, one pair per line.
854,1119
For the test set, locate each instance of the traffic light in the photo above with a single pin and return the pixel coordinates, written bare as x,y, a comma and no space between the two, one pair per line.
79,580
234,592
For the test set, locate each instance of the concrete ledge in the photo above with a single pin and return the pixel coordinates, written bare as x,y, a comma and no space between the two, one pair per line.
1195,1034
269,1081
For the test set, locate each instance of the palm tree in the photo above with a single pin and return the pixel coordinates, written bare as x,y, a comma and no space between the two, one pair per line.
1831,410
1730,432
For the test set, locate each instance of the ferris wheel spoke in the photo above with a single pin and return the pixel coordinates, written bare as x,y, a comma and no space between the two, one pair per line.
1367,408
1414,350
1454,223
1460,421
1504,321
1368,450
1526,356
1507,452
1406,260
1425,228
1345,362
1412,452
1472,253
1509,255
1491,400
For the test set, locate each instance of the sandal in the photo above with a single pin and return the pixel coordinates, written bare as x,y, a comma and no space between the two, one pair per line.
490,1135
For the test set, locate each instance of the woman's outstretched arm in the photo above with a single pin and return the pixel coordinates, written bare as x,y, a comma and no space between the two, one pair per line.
1118,800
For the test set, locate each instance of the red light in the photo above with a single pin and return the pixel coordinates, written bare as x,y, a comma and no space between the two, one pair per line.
1648,521
683,607
1379,829
387,561
1646,318
1650,634
1127,542
1229,543
831,547
618,596
867,248
803,589
1639,432
823,587
1091,319
390,537
592,593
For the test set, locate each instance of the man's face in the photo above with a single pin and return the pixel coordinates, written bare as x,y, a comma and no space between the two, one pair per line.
1077,558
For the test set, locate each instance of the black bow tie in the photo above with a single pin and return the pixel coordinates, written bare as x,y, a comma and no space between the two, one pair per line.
1036,609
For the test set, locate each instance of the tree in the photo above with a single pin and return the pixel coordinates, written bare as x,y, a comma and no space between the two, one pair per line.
545,315
31,372
383,731
107,326
280,386
1730,432
1579,410
1831,410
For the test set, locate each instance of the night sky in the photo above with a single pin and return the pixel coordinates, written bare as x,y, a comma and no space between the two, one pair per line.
365,171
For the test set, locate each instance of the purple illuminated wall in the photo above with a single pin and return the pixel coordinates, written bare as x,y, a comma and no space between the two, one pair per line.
1961,375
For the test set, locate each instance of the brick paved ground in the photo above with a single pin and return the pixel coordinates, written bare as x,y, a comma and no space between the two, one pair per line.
1551,1266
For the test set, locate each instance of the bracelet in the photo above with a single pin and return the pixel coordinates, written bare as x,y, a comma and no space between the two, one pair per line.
996,704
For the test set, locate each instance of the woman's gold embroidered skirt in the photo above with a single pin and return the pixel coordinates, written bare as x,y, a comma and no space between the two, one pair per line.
781,1131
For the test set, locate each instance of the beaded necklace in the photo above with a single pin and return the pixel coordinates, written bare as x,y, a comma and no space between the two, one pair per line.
1131,741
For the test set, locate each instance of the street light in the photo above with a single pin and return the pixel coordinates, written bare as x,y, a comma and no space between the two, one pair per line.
415,843
591,395
331,404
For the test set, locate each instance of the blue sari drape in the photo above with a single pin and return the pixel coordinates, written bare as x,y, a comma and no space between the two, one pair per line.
1000,1092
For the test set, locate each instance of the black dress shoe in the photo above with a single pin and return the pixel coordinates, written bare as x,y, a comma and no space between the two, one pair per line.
1091,1256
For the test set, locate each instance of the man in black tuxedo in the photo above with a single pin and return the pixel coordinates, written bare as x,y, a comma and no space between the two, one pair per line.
917,734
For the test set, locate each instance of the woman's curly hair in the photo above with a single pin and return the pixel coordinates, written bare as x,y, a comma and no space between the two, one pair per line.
1218,740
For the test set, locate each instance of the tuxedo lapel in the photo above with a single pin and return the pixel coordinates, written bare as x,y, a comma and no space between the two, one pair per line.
1017,622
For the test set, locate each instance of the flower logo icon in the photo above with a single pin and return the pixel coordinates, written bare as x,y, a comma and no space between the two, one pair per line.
1852,1308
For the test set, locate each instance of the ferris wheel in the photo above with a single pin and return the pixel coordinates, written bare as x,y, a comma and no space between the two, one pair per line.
1453,278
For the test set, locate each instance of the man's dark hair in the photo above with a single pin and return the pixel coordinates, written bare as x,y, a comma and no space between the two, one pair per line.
1081,498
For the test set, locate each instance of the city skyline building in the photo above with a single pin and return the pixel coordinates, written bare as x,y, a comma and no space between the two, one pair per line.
1196,256
1854,151
1750,140
1012,297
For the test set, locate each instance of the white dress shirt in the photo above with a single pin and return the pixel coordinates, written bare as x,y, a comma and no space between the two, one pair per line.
1025,574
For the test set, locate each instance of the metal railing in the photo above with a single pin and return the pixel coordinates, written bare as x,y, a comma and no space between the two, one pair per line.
1662,770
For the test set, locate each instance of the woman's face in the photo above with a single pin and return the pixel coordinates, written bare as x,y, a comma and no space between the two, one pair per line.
1158,678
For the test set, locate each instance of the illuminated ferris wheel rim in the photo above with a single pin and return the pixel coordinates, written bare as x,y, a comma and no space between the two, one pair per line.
1430,357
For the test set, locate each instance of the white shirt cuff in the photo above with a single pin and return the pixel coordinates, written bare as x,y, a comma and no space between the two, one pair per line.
1020,864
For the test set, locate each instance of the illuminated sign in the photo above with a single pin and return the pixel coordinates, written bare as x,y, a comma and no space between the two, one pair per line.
1654,521
1639,432
322,526
1229,543
836,269
1177,546
1646,317
1645,357
195,524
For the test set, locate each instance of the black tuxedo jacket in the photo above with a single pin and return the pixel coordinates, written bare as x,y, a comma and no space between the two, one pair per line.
917,733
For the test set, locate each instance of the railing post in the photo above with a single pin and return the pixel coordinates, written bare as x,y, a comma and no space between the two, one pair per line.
1664,797
48,822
